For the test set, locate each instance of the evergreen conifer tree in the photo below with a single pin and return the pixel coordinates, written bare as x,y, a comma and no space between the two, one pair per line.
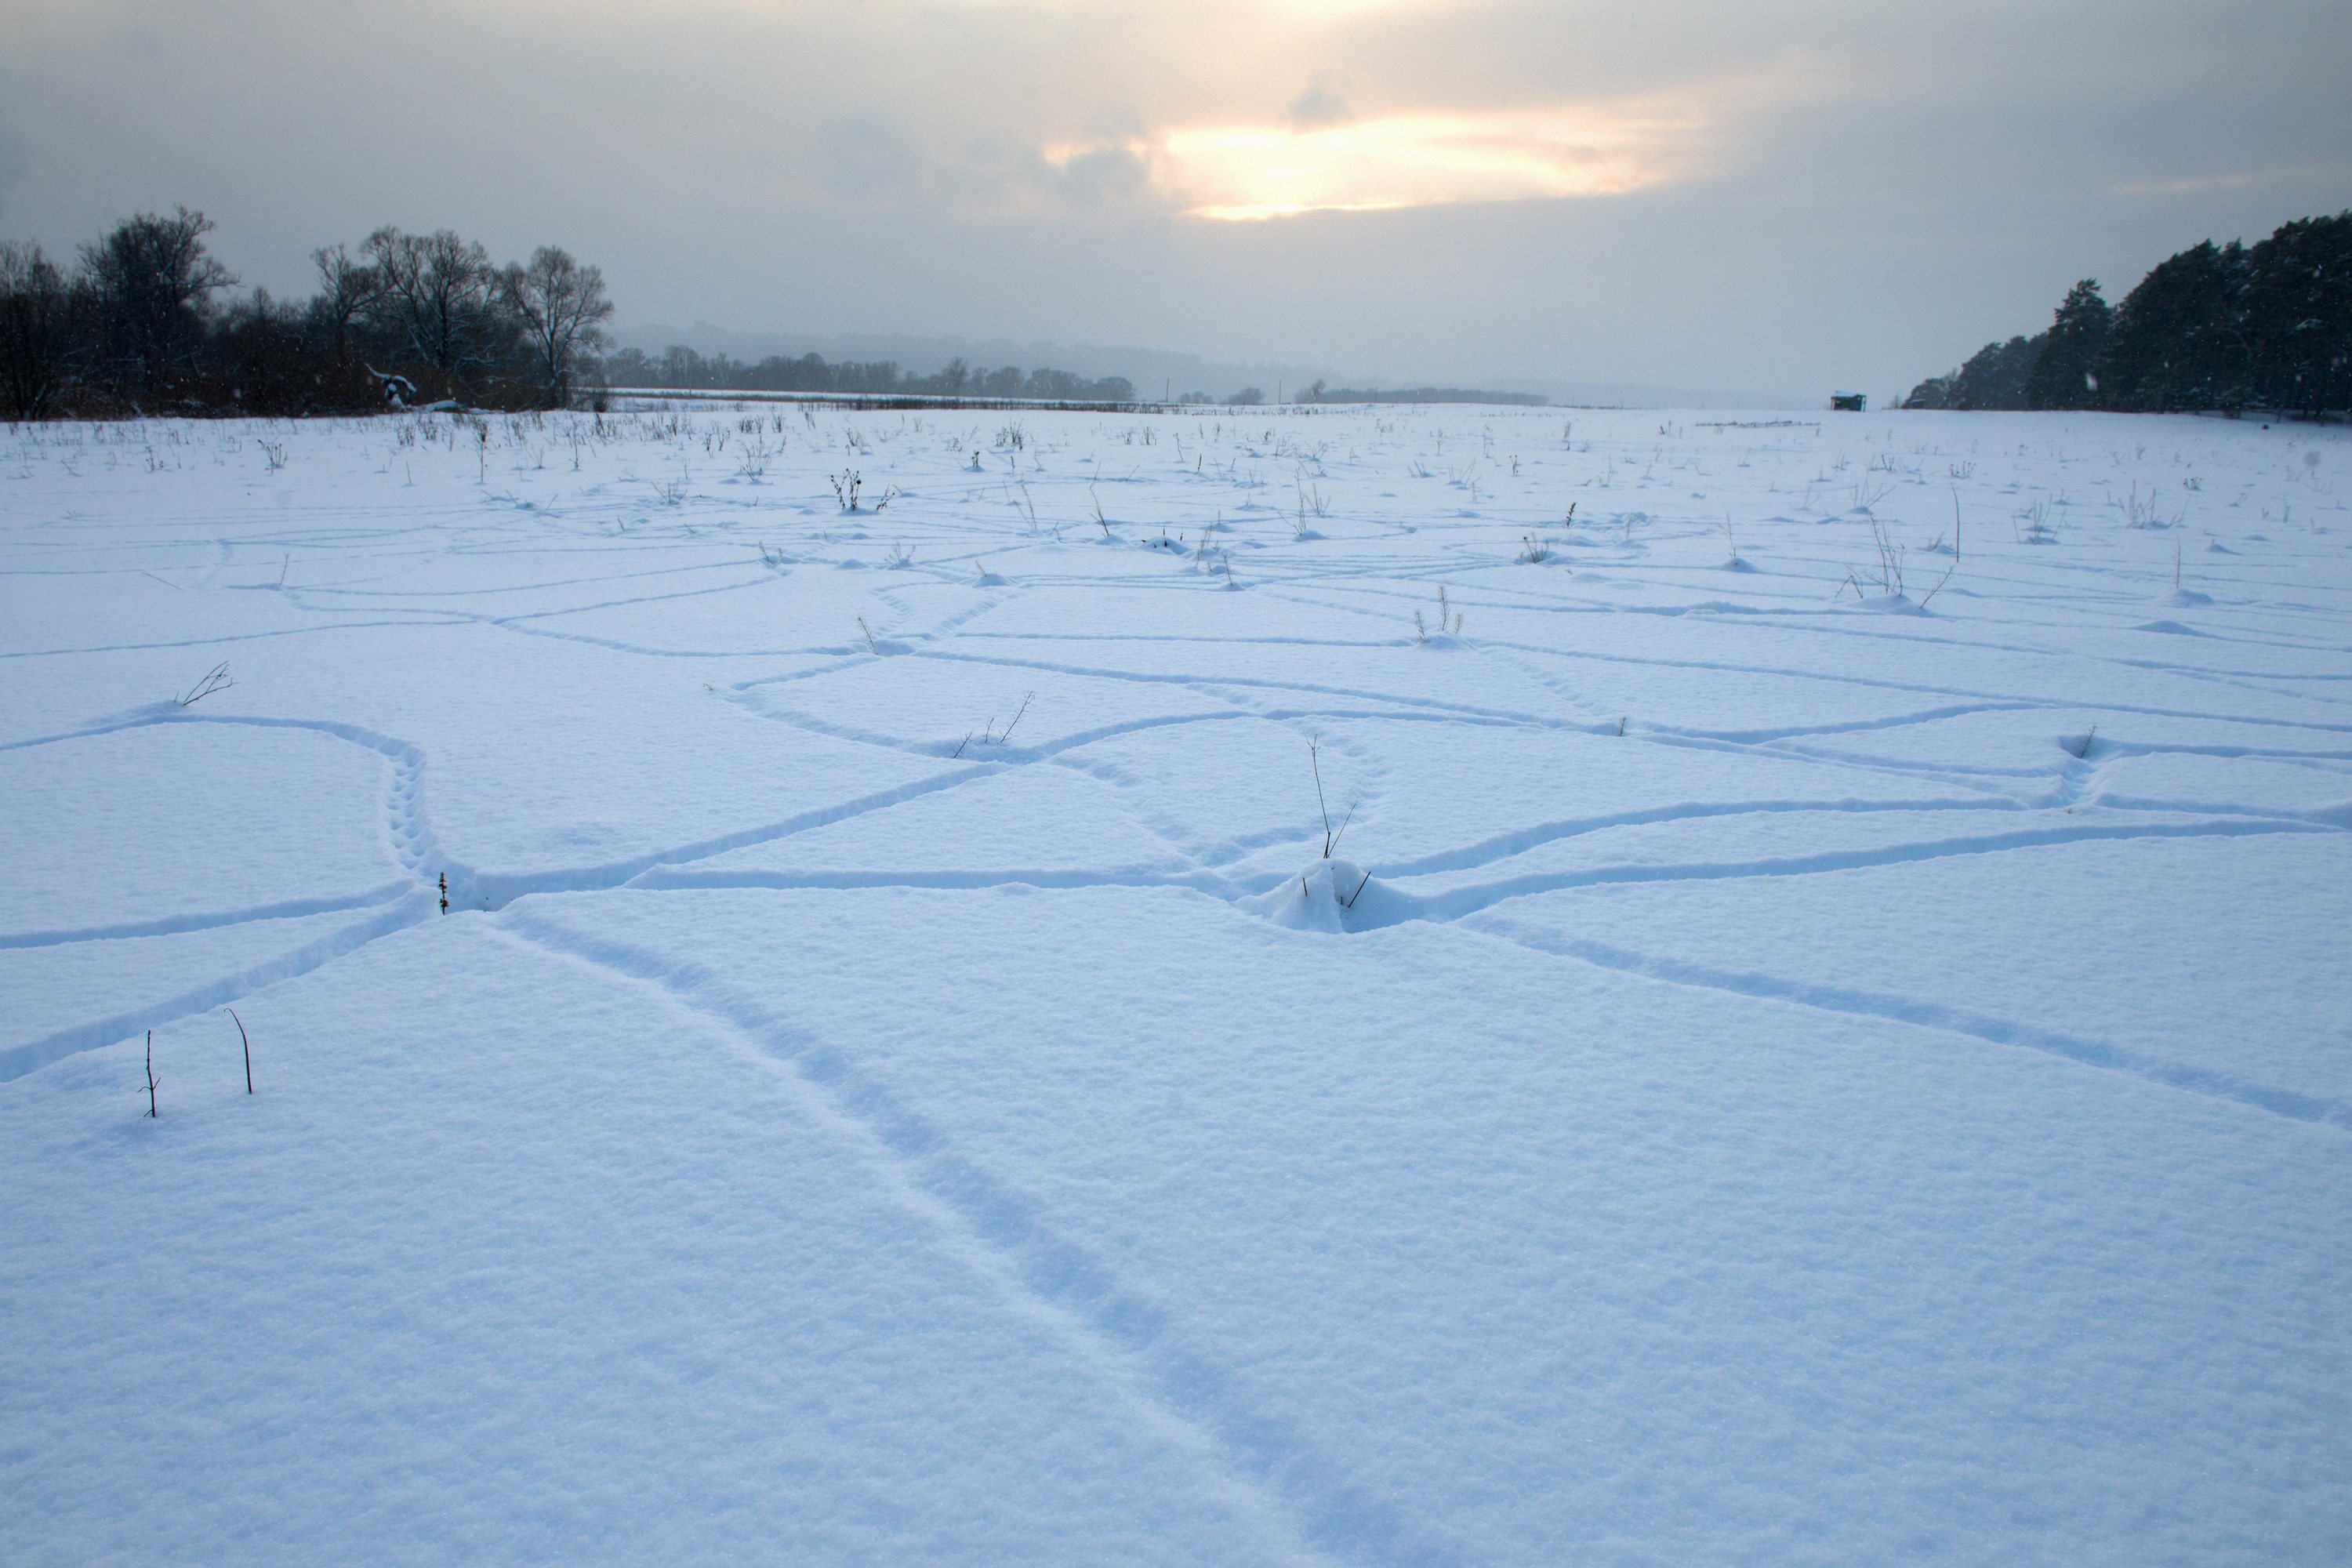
2298,314
2067,374
2177,340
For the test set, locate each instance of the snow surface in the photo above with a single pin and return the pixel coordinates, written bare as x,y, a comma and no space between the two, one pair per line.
1776,1064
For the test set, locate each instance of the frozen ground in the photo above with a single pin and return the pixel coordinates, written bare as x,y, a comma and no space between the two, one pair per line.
1773,1069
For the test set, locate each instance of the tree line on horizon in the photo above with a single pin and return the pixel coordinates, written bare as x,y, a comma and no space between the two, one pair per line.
2230,328
682,369
1319,393
143,322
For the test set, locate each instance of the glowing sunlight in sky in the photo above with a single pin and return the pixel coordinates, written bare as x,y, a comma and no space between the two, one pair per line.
1251,172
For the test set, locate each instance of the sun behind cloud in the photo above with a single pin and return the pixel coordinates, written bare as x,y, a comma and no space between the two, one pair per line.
1245,172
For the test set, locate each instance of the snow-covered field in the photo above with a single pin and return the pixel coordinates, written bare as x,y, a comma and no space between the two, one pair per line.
1770,1071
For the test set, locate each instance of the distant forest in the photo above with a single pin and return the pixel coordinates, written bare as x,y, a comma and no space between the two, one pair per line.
2230,328
678,368
1318,393
144,322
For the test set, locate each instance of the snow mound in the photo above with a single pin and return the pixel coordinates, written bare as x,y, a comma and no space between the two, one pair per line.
2173,628
2186,598
1324,897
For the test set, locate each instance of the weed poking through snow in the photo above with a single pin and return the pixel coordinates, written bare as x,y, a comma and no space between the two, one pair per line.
247,1040
1449,620
215,679
988,736
1315,761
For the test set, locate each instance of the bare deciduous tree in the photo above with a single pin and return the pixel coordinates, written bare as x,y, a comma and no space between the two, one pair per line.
563,312
348,288
440,301
149,281
35,331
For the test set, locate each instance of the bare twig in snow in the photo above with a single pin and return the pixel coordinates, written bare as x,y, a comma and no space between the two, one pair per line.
248,1041
1343,830
1315,760
215,679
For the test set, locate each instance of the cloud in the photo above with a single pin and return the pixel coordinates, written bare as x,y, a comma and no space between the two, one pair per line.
871,157
1712,192
1103,176
13,164
876,162
2201,185
1323,104
1251,172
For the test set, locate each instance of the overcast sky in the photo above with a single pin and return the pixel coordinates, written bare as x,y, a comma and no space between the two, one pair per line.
1717,194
